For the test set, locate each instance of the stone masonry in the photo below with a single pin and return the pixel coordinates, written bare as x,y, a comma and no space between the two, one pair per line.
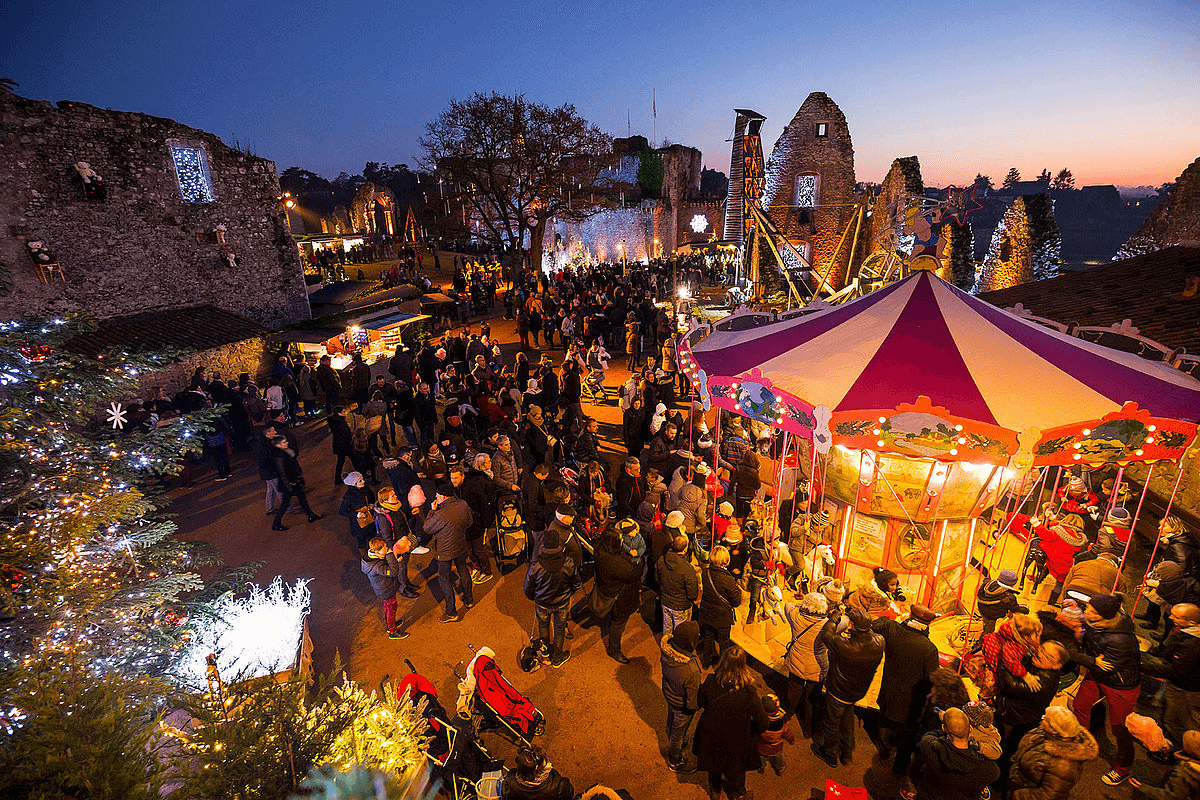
1175,220
142,248
1025,246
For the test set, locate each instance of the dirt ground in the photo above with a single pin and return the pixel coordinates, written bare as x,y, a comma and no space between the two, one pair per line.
605,721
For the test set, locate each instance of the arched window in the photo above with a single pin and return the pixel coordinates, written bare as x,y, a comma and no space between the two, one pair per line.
808,188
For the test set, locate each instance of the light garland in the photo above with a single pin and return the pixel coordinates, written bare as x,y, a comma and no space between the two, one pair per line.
250,636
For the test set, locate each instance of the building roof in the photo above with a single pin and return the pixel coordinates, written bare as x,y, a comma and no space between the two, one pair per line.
201,327
1147,290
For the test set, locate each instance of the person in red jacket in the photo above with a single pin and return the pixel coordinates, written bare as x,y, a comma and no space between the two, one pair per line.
771,740
1076,498
1060,542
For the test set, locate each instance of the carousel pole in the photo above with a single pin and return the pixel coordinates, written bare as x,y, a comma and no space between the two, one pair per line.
812,482
1158,538
1132,525
1010,512
712,534
1116,491
1054,491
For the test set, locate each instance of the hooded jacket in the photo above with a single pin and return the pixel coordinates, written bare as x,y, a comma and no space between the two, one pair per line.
680,677
382,572
693,504
1116,641
678,586
996,601
546,785
806,656
853,659
1094,576
947,772
1046,767
552,580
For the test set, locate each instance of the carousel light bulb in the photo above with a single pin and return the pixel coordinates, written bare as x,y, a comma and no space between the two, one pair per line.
958,427
1151,428
1149,440
962,440
1077,456
1087,431
882,420
1078,445
880,443
877,431
1138,453
954,451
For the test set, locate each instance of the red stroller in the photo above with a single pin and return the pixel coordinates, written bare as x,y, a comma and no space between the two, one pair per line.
488,700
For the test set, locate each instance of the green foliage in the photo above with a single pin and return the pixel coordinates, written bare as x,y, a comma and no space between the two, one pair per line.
1012,177
1064,179
650,173
82,737
356,783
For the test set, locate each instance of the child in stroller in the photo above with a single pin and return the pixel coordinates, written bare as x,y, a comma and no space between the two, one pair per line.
485,697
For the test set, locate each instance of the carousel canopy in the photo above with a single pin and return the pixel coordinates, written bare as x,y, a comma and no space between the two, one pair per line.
953,364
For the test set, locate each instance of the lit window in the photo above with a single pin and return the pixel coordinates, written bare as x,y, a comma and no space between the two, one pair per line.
822,130
191,168
806,191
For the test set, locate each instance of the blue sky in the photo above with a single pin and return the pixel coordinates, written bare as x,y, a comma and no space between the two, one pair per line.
1108,89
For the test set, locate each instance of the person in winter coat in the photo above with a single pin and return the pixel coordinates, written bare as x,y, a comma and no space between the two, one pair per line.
732,717
535,778
748,483
771,740
632,420
877,598
853,659
631,488
1060,542
587,444
1179,667
1020,704
535,494
356,506
341,439
615,592
479,492
692,502
806,658
291,481
948,766
550,582
360,379
506,473
681,689
910,659
329,383
1050,758
720,596
996,599
382,568
678,587
403,476
1095,576
1109,649
984,733
446,525
1183,782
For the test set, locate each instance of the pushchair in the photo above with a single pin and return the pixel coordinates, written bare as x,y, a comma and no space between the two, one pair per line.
512,536
488,701
463,766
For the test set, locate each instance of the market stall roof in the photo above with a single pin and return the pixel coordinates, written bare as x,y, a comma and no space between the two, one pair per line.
921,337
386,320
437,297
200,327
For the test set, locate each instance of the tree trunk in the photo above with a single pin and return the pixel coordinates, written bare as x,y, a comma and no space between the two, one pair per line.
535,245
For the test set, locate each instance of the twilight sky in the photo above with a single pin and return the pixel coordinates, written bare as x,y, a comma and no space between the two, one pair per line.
1108,89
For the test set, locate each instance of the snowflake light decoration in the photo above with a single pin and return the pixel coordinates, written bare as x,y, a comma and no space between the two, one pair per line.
116,416
699,223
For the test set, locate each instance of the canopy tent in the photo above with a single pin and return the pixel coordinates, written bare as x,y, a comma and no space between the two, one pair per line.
922,368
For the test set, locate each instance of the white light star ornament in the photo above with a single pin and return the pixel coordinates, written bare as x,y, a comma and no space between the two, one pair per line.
116,416
699,223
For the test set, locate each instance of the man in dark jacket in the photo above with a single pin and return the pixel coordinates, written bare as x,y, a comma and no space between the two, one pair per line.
268,471
425,411
341,439
853,659
533,491
617,588
1109,649
949,767
330,383
680,687
677,584
631,488
1179,667
401,364
587,444
360,380
534,778
549,583
381,566
910,659
479,491
997,599
291,484
1020,703
447,524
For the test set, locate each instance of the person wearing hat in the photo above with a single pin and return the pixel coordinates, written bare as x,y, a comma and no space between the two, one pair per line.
948,766
678,586
446,526
1060,540
1050,758
392,527
1116,530
909,661
1179,669
680,688
533,777
853,659
996,599
549,583
806,658
1109,649
1183,781
1077,498
835,593
721,519
771,740
984,733
381,566
357,504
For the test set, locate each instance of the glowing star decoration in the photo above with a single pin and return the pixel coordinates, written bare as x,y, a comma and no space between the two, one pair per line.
116,416
250,636
699,223
961,203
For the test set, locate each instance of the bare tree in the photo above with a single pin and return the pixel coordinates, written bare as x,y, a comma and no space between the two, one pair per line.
516,165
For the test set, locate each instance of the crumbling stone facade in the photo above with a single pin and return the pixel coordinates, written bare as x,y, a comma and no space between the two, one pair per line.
1176,220
142,247
815,143
1026,245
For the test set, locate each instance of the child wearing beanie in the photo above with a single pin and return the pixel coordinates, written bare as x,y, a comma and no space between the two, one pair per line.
771,741
983,729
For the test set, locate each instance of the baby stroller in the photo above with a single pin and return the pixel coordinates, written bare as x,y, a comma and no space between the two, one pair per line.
512,537
462,765
488,701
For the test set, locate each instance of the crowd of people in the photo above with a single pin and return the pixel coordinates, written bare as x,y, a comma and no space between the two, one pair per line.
669,517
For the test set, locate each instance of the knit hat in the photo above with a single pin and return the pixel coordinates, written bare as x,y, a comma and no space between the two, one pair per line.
1007,578
1070,610
551,541
1076,485
1061,722
686,636
772,707
445,490
979,713
1106,605
725,509
352,478
1119,517
675,519
834,590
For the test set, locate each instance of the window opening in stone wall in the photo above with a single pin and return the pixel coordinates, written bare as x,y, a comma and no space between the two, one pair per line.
191,168
822,130
807,187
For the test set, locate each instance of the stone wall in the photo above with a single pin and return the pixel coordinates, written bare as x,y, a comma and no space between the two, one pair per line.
1176,220
1026,245
142,248
713,213
249,355
601,235
887,213
799,150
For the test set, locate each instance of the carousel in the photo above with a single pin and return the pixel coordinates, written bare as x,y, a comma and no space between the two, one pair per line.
923,419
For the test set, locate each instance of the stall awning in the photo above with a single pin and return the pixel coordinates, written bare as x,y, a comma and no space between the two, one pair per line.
437,297
387,320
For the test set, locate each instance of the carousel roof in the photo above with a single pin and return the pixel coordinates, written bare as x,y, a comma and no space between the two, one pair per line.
922,336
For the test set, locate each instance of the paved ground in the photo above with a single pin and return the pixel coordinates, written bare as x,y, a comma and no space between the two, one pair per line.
604,720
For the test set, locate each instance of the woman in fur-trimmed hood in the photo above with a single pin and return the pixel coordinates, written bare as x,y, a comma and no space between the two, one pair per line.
1050,758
